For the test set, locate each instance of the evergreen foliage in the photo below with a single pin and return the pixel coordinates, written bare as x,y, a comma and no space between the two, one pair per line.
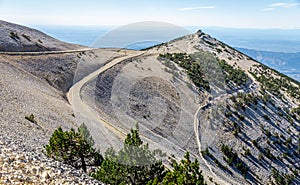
186,172
74,148
194,69
238,76
204,68
135,163
275,82
233,159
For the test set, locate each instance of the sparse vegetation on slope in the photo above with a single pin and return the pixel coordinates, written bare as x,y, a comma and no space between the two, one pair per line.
237,76
281,178
251,103
14,35
203,67
296,110
193,68
264,110
275,82
233,159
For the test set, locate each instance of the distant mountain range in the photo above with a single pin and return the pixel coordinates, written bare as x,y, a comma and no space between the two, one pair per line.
276,40
287,63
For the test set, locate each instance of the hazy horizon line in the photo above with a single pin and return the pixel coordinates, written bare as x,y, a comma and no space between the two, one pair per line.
116,26
119,25
186,26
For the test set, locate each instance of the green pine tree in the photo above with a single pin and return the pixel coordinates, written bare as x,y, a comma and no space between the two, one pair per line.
135,163
74,148
184,173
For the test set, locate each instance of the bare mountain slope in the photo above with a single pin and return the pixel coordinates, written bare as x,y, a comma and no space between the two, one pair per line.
20,38
259,119
253,109
195,93
34,83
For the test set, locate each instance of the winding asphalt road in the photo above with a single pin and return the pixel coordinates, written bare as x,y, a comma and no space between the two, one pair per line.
221,98
78,105
196,129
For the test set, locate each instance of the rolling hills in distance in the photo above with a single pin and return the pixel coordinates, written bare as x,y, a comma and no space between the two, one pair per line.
237,116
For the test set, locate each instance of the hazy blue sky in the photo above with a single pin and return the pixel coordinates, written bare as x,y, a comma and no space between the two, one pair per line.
223,13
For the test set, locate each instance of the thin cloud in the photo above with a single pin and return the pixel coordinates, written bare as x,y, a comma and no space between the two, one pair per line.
197,8
268,9
284,5
274,6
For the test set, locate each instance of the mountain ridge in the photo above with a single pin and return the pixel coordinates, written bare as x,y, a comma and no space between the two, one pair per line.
254,107
20,38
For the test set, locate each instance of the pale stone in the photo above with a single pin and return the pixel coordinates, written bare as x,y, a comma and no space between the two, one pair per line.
45,174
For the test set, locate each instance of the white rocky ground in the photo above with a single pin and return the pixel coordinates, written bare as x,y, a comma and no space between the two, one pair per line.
21,94
36,84
125,94
19,166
